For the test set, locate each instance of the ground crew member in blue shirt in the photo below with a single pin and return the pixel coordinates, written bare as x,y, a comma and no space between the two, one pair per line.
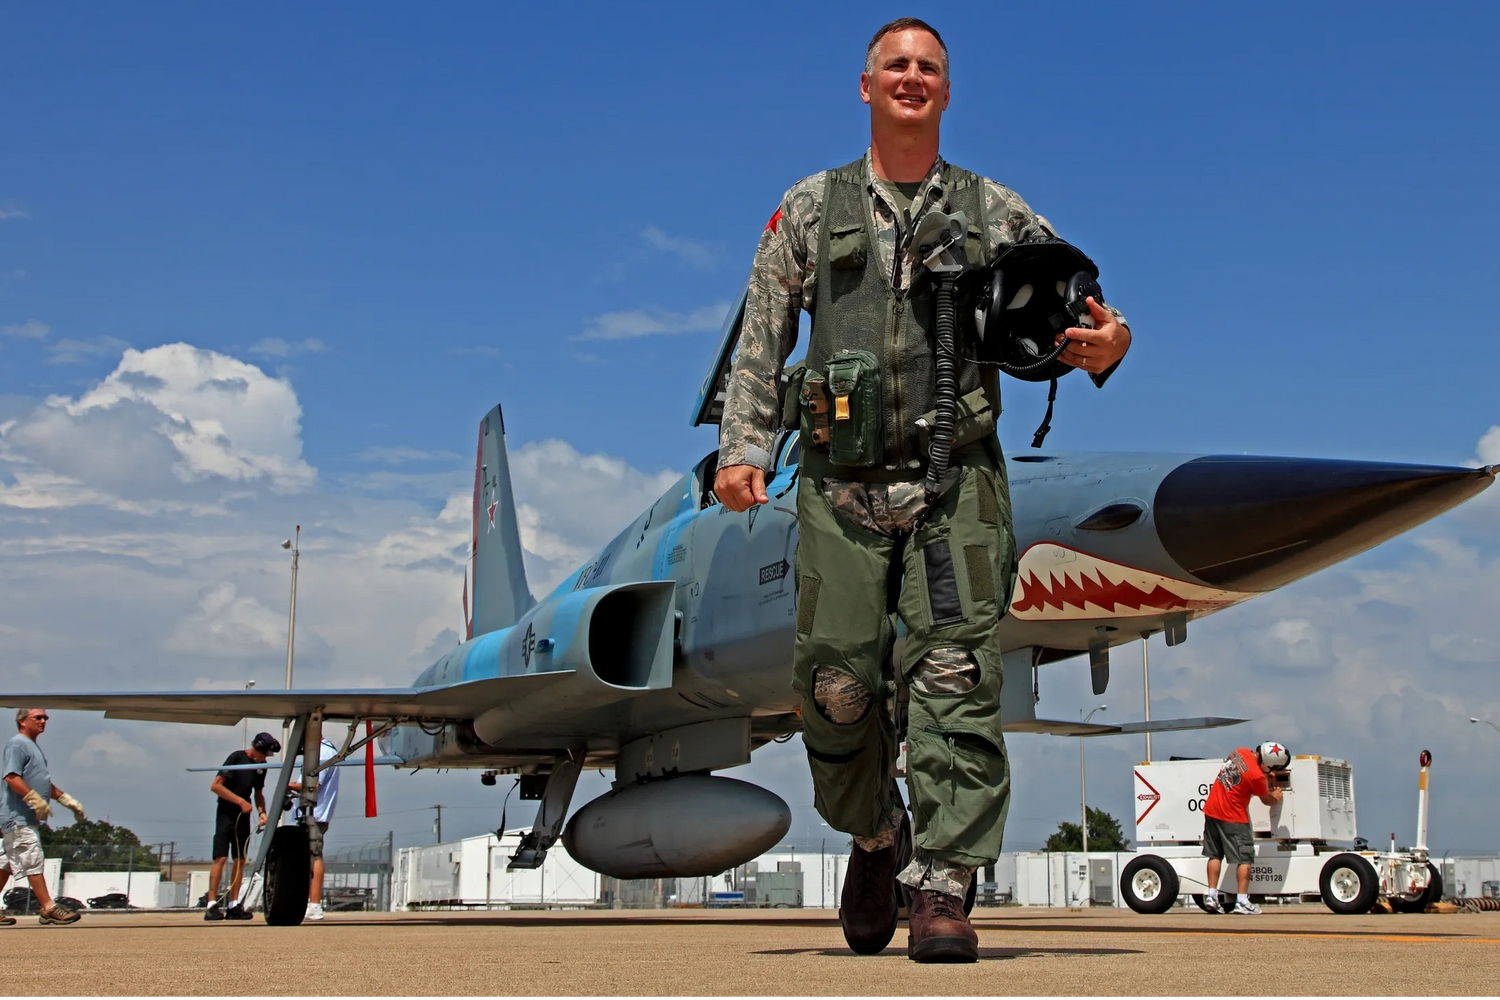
840,247
25,807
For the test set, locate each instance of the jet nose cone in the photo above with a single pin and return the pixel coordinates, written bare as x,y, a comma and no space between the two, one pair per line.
1252,523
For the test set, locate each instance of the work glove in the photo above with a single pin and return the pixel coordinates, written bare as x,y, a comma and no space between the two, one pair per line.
71,803
38,804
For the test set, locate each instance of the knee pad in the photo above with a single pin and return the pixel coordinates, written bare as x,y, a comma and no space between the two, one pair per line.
946,670
840,697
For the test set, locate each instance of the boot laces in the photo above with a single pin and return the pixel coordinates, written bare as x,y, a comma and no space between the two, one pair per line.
870,889
945,906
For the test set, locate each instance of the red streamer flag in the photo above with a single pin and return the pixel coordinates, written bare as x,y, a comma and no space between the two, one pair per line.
370,770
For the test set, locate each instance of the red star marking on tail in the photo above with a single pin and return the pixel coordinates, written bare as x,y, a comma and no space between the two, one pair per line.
492,514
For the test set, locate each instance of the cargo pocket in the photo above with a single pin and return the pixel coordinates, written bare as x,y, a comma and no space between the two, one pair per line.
960,790
856,425
943,601
848,249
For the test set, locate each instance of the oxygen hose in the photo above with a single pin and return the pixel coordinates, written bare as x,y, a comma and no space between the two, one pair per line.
947,390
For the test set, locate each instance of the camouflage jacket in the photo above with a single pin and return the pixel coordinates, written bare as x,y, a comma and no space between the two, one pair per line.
782,279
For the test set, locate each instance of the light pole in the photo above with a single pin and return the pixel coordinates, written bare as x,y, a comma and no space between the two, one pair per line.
1146,684
291,625
245,723
1083,795
1487,722
295,545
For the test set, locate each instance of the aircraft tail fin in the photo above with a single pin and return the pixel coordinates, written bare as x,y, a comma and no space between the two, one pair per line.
495,594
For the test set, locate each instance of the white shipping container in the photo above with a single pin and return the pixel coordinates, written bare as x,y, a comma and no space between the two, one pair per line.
141,887
473,872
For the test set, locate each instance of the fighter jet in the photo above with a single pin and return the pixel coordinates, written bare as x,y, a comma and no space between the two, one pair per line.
667,656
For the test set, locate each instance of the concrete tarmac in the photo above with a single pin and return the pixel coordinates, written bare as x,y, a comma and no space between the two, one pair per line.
1286,951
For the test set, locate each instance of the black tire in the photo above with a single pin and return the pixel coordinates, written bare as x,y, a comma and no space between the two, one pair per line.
1434,885
1348,884
1433,893
288,876
1149,884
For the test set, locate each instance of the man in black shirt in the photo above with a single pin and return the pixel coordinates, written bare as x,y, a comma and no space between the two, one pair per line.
232,821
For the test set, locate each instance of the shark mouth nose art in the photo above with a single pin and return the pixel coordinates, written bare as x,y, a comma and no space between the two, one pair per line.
1059,583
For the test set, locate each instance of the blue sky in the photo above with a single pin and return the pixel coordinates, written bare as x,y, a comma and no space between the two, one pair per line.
408,215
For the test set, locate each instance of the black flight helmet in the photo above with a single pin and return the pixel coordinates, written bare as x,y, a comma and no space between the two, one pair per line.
1018,305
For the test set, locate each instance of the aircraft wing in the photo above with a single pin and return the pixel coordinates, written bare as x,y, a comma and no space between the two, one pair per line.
384,760
1059,727
446,703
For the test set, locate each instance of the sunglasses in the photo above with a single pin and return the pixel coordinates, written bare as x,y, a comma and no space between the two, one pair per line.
40,718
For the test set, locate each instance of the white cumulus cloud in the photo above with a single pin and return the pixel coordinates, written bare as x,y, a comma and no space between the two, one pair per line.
107,749
173,427
691,252
226,623
32,329
570,504
1489,447
275,347
631,323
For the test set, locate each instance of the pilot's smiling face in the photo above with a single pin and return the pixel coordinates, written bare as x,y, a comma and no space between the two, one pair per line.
908,83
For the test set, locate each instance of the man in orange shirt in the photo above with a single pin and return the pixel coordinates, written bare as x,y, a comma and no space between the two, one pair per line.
1226,817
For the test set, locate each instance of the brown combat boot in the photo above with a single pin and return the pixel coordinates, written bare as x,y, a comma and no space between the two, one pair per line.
868,906
940,931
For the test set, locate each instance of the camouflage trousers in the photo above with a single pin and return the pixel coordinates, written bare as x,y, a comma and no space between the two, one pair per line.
859,566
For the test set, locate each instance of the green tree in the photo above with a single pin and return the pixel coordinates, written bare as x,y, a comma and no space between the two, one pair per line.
1104,834
94,845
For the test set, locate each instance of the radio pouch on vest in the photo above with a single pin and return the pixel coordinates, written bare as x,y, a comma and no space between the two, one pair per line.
816,410
856,436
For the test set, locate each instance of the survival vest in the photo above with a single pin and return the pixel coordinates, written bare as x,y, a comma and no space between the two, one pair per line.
872,348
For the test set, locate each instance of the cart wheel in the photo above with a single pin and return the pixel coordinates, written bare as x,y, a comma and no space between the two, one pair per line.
1149,884
1349,884
1431,893
288,876
1202,902
1434,885
1409,904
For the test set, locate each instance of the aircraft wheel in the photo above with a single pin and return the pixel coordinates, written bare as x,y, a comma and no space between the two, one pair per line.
1348,884
288,876
1149,884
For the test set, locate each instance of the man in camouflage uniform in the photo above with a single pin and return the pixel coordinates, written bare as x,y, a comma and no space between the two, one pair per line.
840,246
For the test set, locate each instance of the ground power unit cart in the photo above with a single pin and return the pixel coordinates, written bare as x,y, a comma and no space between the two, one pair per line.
1305,846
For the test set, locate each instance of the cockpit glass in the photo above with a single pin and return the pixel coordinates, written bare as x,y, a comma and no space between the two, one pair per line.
791,452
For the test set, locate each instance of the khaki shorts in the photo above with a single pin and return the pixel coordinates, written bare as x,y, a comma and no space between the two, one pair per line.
1234,842
23,849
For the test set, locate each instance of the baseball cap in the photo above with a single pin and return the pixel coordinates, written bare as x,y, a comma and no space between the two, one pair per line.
266,743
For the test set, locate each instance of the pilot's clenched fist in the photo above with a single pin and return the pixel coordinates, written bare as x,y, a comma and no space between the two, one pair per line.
739,487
